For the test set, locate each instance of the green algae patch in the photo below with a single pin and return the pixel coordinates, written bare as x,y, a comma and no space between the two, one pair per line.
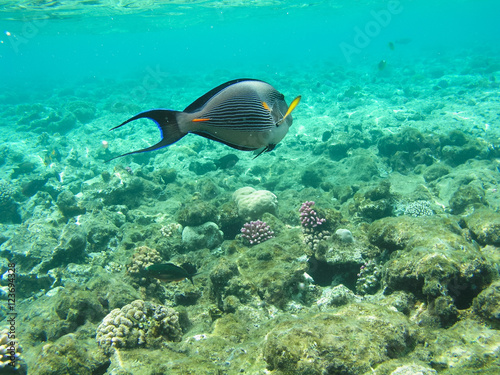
434,258
273,268
350,341
466,348
484,225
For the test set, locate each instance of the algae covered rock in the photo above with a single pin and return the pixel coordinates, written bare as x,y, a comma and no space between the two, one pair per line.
484,225
466,196
435,171
351,340
375,203
45,247
272,272
435,258
466,348
202,236
487,304
70,354
197,213
252,204
68,205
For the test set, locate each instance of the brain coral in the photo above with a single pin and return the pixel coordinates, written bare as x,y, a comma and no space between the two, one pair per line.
252,204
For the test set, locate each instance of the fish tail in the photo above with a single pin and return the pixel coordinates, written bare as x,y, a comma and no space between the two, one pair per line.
166,121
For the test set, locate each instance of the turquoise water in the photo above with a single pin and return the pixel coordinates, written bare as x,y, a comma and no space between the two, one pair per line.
396,140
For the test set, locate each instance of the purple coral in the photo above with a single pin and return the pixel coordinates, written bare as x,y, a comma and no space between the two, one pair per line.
308,217
256,232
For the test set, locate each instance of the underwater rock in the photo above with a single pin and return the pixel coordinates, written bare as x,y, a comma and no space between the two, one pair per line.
122,189
435,260
375,203
33,186
338,151
487,304
271,272
85,112
202,236
75,306
408,140
484,225
166,176
456,155
274,270
220,277
466,196
197,213
30,244
391,233
207,189
311,178
230,221
440,313
138,324
334,297
63,311
351,340
112,291
67,203
8,206
70,354
101,230
465,348
70,249
252,204
435,171
202,168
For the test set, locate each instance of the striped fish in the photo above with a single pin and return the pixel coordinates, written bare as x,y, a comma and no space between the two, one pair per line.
245,114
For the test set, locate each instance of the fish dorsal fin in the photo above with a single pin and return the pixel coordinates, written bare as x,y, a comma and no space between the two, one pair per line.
202,100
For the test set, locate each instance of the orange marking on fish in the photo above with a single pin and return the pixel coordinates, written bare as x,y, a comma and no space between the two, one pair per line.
200,119
264,104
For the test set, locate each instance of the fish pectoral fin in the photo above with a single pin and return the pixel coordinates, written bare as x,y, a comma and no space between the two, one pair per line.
268,148
292,106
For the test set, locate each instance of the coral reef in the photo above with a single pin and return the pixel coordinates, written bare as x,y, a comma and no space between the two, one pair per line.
255,232
11,360
312,225
394,269
369,276
138,324
415,208
309,217
143,257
